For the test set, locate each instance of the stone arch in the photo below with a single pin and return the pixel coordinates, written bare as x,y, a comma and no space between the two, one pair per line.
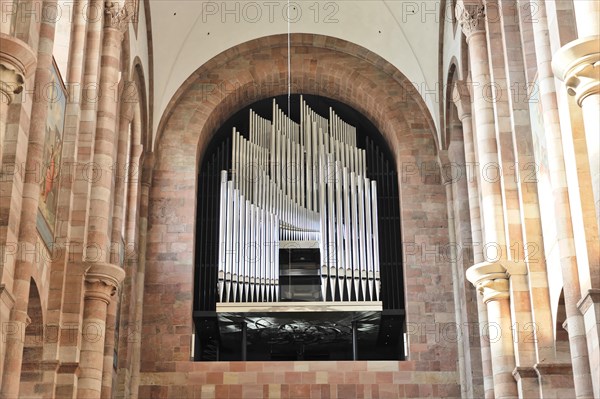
255,70
210,80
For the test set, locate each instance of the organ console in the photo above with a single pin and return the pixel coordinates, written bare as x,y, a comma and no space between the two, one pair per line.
304,184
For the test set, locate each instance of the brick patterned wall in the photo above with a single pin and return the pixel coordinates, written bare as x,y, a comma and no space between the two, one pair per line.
299,380
234,79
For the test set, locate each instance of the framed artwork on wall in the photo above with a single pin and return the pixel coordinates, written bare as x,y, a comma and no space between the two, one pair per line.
55,96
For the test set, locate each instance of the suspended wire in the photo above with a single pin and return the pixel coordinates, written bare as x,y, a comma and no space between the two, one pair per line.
289,110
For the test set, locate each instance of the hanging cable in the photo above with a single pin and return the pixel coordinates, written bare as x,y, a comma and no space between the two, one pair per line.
289,110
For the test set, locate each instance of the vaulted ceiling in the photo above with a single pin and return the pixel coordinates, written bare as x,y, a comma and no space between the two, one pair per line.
187,33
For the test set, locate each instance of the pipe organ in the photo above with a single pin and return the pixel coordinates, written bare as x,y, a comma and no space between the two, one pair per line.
297,185
297,237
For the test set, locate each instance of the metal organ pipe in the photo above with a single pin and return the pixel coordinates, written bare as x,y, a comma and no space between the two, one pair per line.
297,182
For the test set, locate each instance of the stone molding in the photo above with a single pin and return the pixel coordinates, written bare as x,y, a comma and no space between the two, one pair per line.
553,369
6,296
17,53
592,296
50,365
102,281
520,373
490,279
69,368
17,62
578,65
471,18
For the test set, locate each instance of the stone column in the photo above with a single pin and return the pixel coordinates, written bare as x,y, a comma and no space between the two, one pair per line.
589,306
11,83
464,115
7,301
100,211
471,17
146,176
17,61
106,132
27,235
476,236
492,282
577,64
120,174
101,283
109,348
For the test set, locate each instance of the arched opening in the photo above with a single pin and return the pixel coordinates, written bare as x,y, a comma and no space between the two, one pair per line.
323,66
33,349
297,273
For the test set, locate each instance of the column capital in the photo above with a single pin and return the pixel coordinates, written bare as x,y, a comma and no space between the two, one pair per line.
470,15
490,279
17,62
578,65
11,83
102,281
115,16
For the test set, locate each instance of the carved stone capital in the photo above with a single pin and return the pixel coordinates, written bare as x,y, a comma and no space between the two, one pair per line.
471,18
11,83
115,16
578,65
490,279
102,281
17,62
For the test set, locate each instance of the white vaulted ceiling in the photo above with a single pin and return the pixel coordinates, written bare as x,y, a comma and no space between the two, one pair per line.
187,33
